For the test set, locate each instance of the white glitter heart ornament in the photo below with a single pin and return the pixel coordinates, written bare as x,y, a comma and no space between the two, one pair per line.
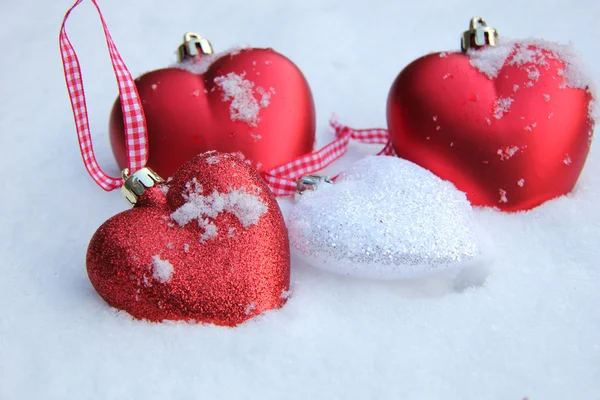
385,218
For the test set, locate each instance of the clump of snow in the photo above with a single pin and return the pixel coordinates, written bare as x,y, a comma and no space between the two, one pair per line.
435,118
502,194
443,54
245,206
546,97
200,66
448,75
265,96
212,160
515,88
521,182
240,91
256,136
490,60
186,248
506,153
530,127
502,106
249,308
594,109
210,229
567,160
535,53
533,73
162,270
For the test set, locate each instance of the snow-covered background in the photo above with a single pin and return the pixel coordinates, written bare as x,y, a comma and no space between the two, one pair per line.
531,330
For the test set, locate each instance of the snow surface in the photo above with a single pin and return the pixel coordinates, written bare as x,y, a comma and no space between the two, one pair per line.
529,329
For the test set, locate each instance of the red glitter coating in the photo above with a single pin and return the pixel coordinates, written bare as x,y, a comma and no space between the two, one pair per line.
240,273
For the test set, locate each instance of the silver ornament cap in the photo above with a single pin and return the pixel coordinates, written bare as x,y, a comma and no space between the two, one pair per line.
310,183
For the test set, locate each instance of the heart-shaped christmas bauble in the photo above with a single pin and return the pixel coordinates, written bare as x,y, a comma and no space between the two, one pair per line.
209,246
509,125
385,218
254,101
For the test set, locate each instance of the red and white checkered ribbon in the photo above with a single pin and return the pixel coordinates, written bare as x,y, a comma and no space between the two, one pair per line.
282,179
133,115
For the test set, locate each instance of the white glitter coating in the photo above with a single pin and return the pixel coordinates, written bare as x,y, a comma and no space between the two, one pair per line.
385,218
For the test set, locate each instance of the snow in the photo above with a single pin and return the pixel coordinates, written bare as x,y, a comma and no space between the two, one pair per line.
244,107
162,270
502,106
530,329
212,160
505,153
247,208
503,198
534,54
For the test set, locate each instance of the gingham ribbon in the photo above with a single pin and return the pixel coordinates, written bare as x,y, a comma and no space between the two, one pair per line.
133,115
282,179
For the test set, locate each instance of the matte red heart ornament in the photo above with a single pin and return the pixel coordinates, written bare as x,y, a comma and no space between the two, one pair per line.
510,125
208,246
254,101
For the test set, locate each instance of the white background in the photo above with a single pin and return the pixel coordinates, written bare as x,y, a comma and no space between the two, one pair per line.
530,330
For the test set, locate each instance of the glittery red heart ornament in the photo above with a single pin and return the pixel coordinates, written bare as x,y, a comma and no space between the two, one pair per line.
254,101
509,125
209,246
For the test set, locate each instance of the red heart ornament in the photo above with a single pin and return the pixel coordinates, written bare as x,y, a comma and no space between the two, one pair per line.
509,125
213,249
254,101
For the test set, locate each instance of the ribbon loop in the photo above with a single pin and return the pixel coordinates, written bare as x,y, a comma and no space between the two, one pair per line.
136,136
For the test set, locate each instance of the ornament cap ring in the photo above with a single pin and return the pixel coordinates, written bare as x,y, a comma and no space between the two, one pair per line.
193,44
478,35
136,184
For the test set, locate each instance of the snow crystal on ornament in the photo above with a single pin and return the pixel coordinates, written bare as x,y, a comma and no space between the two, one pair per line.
212,160
535,53
385,218
244,106
502,106
490,60
245,206
503,198
506,153
162,270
